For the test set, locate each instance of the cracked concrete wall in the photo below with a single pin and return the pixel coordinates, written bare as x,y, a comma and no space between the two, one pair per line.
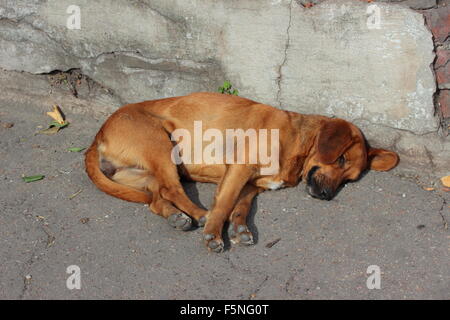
382,75
323,59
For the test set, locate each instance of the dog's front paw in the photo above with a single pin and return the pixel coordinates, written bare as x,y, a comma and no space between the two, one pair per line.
213,243
180,221
240,234
202,221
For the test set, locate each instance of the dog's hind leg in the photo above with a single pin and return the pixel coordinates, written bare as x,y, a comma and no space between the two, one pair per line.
169,186
171,189
166,209
148,148
143,180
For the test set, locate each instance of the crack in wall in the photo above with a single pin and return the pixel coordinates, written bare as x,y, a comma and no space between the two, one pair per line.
283,63
168,18
438,111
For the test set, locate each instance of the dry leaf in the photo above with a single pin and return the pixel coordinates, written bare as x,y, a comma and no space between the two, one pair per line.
84,220
446,181
58,123
8,125
51,130
428,189
56,115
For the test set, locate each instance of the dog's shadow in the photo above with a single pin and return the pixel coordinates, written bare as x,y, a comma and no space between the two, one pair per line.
342,185
191,189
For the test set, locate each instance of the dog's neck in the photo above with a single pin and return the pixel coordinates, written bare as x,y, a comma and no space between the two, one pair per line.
302,135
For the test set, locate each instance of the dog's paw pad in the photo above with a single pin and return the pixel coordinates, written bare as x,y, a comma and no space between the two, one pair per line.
202,221
180,221
215,245
240,235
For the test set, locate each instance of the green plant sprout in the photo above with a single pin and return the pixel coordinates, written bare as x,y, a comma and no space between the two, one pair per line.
227,88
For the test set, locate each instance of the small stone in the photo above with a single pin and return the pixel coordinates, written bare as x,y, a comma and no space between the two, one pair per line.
28,279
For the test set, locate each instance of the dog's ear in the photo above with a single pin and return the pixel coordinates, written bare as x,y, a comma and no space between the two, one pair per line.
334,138
381,159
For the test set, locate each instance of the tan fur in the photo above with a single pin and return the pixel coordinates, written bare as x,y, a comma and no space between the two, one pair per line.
135,143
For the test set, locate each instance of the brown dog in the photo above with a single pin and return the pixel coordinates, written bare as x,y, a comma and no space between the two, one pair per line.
132,158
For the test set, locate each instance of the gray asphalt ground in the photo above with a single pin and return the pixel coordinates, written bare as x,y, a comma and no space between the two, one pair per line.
125,252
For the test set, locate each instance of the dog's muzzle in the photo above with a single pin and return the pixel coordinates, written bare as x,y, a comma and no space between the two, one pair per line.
315,189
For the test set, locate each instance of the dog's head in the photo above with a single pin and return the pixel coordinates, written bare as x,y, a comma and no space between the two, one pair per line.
340,154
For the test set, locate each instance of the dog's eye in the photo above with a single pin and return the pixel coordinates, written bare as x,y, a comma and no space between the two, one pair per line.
341,161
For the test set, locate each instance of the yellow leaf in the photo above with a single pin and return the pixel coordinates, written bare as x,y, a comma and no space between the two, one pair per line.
428,189
446,181
56,114
50,131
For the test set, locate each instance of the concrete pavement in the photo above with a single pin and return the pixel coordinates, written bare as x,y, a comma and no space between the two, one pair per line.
124,252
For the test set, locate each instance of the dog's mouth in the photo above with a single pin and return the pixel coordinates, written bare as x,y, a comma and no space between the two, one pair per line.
315,185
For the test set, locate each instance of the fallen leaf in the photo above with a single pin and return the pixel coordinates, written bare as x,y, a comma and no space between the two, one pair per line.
84,220
33,178
428,189
7,125
446,181
56,115
75,149
50,130
58,123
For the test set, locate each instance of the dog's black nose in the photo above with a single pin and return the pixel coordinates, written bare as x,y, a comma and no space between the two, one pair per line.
326,194
322,194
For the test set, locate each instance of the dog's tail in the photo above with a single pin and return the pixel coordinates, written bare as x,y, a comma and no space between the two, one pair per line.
92,163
